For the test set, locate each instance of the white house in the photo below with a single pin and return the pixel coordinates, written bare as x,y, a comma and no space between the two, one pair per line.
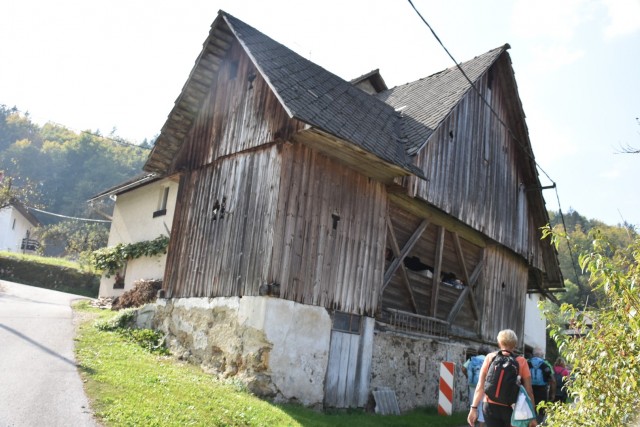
16,228
535,325
143,211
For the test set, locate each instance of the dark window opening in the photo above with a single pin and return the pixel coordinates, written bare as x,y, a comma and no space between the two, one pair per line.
118,282
336,219
346,322
219,209
162,202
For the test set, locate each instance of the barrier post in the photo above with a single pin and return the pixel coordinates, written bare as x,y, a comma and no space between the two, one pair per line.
445,394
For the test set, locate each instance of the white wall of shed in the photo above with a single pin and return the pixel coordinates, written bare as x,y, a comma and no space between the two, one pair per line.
534,324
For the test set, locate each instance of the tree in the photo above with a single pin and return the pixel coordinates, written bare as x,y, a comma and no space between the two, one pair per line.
604,354
26,193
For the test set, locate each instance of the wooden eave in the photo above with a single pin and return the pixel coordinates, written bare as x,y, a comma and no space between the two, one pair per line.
189,102
424,210
349,154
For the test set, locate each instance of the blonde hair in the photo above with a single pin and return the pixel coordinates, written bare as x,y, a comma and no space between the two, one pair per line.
507,338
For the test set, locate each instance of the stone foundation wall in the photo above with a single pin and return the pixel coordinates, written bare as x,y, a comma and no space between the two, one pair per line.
278,348
411,367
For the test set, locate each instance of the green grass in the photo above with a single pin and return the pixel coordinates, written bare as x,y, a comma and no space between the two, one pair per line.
128,386
59,262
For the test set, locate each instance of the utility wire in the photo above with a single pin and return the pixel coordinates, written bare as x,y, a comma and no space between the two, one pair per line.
508,129
68,217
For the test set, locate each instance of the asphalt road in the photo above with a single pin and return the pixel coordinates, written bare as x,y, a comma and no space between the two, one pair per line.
39,380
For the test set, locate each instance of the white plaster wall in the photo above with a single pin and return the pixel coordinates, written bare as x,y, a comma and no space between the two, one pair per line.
133,222
300,335
534,324
291,339
11,236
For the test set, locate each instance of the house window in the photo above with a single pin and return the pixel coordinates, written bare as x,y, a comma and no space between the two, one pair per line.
346,322
118,281
162,202
13,226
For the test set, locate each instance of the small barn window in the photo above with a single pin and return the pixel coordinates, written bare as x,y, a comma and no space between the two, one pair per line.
346,322
13,226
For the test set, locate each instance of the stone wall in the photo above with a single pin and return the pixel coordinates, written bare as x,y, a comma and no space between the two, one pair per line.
411,367
277,347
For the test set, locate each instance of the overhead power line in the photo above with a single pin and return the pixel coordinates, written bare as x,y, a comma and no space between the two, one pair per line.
68,217
508,129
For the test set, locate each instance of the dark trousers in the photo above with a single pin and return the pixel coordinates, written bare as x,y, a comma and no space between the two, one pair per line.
496,415
540,393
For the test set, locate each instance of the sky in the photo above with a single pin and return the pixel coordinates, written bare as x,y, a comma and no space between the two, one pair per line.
119,65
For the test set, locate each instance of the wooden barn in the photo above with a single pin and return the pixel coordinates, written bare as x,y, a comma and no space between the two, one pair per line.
331,238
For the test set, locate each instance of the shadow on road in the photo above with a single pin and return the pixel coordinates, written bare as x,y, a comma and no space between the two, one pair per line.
37,344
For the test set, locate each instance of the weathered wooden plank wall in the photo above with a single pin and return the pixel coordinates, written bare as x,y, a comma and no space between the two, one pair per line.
329,233
503,302
216,254
476,171
282,204
239,114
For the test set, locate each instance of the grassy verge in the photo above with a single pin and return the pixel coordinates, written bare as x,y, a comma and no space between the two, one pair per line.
59,262
49,273
129,386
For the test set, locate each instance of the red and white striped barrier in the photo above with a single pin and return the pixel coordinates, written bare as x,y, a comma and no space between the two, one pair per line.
445,394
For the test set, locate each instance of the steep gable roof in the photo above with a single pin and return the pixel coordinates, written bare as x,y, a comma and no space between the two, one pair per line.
306,91
429,100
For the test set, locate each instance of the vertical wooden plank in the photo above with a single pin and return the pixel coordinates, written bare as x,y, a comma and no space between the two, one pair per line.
437,272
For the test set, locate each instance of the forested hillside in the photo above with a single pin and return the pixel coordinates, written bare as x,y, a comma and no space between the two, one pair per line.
54,169
579,232
66,168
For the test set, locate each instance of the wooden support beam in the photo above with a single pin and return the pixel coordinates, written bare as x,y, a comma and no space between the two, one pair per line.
437,272
396,253
474,305
460,254
405,250
458,305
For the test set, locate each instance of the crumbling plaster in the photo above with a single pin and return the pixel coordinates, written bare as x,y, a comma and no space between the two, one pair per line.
277,347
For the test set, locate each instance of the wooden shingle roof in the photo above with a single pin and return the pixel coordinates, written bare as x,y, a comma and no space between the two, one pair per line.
426,102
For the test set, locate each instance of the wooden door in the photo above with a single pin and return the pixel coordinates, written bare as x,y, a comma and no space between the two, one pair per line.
349,367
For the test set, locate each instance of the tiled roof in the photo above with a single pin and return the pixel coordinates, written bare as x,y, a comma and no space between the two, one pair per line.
321,99
426,102
317,97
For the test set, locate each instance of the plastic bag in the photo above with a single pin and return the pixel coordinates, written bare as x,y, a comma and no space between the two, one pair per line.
523,410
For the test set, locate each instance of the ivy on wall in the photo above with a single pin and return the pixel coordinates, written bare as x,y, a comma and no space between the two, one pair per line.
113,258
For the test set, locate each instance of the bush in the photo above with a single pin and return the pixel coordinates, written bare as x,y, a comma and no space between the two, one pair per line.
604,356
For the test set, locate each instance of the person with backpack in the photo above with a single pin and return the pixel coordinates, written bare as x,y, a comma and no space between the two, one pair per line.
501,374
471,369
543,381
561,374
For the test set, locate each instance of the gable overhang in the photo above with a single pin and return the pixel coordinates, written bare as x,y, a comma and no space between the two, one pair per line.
188,104
182,117
351,155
